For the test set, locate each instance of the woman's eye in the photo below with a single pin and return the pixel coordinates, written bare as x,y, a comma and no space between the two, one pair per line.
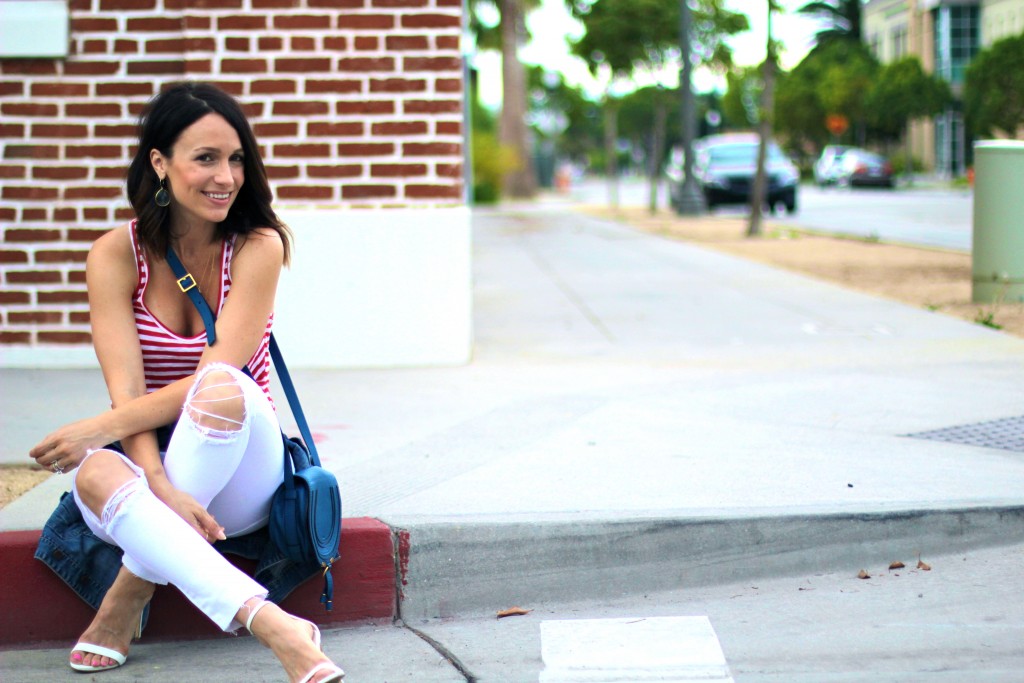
204,158
237,159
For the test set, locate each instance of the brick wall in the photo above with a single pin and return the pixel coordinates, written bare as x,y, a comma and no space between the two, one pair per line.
357,104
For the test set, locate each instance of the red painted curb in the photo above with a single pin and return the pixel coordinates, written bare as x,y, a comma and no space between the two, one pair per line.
36,606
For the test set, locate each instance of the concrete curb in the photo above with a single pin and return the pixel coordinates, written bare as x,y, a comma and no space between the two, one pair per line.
36,606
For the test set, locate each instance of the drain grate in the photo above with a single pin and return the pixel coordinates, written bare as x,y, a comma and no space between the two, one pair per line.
1007,434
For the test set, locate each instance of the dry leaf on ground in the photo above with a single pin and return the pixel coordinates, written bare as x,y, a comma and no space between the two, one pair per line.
513,612
863,575
897,565
924,566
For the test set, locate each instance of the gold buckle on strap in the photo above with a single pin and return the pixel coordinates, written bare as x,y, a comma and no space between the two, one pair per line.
186,282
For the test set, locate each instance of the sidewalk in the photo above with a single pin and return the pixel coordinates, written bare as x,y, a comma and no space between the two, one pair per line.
643,415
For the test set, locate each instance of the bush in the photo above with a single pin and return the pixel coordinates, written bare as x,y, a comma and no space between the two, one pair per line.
899,164
491,161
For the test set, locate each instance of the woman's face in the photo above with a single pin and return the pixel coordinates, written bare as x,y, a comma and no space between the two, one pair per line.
204,172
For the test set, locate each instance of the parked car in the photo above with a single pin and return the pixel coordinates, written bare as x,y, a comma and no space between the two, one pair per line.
826,168
862,168
725,165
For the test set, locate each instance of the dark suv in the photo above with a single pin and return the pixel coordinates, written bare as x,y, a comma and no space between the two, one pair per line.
725,165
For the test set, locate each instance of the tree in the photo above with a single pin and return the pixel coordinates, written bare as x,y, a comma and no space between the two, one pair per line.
840,19
513,132
624,37
764,127
994,88
904,92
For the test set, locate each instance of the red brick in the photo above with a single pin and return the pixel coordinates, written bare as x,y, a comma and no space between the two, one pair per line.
31,151
365,149
237,44
129,5
28,235
397,170
30,193
12,256
302,44
123,46
342,129
81,25
78,276
431,149
433,191
15,337
448,42
366,64
121,88
368,191
275,4
91,192
64,337
336,171
336,43
65,213
432,107
253,109
8,213
247,22
93,152
449,3
300,108
239,66
48,130
28,109
92,109
79,317
197,22
236,88
63,297
395,43
60,172
366,21
199,44
29,67
109,172
334,86
275,129
449,128
399,3
77,68
449,170
198,66
202,4
434,64
272,87
282,172
34,214
8,88
60,89
121,130
161,24
84,234
397,85
61,256
95,213
35,277
37,317
291,22
12,130
301,64
431,21
337,4
302,150
448,85
304,192
10,171
367,43
170,67
365,107
270,43
94,46
400,128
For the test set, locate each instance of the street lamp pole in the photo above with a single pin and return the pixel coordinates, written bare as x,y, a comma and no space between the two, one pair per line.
691,199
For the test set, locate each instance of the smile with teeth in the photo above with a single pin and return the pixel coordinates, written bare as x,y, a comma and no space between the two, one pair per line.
218,195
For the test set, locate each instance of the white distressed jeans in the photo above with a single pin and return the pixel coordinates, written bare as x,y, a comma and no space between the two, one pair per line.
231,468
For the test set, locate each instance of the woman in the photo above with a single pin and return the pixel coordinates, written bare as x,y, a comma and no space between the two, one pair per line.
197,184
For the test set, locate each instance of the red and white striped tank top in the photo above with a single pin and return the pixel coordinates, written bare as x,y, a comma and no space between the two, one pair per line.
168,357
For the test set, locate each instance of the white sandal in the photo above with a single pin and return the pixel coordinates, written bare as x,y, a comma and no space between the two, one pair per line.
119,658
336,674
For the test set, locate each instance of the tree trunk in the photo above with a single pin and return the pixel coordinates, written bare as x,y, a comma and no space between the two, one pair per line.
512,129
611,163
760,189
657,153
908,168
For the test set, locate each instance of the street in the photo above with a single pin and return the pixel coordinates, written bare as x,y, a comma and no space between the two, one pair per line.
926,216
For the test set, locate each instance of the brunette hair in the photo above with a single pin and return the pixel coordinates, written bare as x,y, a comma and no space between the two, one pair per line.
160,125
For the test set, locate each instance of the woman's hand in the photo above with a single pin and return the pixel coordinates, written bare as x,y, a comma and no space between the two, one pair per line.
66,448
193,513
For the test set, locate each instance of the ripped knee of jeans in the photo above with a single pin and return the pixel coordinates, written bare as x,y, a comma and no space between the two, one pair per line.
120,500
215,405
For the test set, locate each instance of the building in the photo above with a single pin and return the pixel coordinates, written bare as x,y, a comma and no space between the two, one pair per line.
359,106
945,35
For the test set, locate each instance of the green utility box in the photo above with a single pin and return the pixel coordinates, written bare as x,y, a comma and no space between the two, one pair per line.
998,240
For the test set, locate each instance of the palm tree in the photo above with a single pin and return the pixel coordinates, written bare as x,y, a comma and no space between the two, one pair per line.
840,19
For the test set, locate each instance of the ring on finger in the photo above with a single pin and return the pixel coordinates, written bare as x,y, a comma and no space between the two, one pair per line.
55,466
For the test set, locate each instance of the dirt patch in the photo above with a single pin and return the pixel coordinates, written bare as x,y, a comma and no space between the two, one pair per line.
17,479
934,279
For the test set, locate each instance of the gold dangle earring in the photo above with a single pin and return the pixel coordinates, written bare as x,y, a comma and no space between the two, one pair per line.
162,198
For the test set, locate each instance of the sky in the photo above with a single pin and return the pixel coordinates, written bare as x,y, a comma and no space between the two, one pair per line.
551,24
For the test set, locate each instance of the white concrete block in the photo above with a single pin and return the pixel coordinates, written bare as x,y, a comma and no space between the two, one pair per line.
637,649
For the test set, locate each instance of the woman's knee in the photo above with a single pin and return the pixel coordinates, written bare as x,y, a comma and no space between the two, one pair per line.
99,477
216,403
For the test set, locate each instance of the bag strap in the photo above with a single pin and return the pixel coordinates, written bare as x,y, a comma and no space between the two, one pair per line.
187,284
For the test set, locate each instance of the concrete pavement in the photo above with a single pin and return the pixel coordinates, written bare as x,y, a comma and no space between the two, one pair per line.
641,416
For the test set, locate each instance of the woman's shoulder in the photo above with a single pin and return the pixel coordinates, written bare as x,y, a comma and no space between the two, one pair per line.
261,244
114,244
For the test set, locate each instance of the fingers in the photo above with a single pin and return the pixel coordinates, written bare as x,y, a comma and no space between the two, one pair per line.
209,528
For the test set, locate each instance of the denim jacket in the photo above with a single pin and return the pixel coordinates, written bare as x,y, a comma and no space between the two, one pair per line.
89,565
